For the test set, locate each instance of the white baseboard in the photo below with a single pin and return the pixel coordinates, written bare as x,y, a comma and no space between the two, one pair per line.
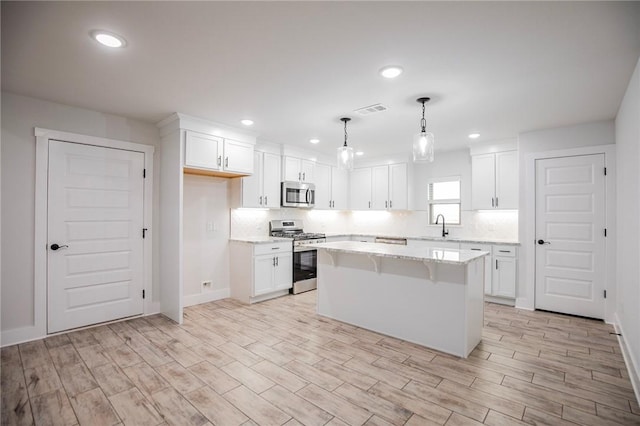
629,360
209,296
21,335
499,300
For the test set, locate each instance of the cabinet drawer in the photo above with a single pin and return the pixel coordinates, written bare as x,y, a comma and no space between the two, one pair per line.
476,247
506,251
285,246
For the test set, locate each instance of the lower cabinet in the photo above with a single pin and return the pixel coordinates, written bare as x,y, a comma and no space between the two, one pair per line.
500,269
260,271
504,272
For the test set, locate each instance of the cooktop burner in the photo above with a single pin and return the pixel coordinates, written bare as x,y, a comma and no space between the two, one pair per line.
292,229
298,235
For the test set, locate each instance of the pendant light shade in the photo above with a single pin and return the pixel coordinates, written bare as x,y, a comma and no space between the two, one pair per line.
423,142
345,153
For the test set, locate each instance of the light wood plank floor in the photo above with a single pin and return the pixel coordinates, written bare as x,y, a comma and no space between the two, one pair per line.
278,363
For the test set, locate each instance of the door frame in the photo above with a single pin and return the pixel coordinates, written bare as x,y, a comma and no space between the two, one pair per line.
41,216
527,270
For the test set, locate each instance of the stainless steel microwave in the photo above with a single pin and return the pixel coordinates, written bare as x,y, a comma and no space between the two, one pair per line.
297,194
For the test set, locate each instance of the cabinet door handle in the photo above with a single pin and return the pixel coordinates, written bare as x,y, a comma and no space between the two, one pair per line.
496,201
265,200
220,160
493,202
273,261
386,204
299,176
390,204
304,176
226,162
504,251
260,202
277,261
496,263
369,204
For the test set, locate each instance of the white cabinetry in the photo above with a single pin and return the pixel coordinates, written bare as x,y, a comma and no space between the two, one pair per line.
504,272
298,170
361,189
386,189
262,189
487,262
211,153
260,271
494,181
331,187
433,244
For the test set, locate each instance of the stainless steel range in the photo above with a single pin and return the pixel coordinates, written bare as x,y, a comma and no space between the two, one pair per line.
305,257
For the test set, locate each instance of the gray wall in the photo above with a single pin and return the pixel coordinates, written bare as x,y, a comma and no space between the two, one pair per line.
20,115
628,217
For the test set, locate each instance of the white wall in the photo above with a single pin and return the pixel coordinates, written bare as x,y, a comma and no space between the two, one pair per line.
627,127
20,115
205,238
582,135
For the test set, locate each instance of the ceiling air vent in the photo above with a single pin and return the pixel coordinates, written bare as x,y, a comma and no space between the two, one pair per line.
371,109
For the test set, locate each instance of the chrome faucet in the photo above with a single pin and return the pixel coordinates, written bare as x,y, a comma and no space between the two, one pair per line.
444,233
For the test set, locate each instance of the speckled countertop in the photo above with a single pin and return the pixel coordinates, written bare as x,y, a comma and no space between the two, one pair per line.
430,238
422,254
260,240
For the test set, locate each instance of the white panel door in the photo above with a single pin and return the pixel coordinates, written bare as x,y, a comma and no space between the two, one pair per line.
339,188
252,184
507,180
483,182
291,168
361,189
380,187
570,246
398,189
271,180
203,151
95,215
323,186
238,157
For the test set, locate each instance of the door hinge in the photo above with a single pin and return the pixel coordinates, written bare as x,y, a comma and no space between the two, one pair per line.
144,173
143,294
605,294
605,171
605,232
144,232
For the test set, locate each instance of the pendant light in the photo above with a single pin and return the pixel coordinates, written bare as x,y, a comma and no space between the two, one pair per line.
423,142
345,153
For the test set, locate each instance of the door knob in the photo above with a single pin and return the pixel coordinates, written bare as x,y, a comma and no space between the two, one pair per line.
541,242
57,247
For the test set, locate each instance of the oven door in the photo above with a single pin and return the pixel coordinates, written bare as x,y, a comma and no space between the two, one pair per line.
305,264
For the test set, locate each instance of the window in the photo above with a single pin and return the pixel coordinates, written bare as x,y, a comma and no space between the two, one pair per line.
444,199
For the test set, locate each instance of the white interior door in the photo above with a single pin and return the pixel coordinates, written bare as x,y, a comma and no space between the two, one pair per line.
570,246
95,215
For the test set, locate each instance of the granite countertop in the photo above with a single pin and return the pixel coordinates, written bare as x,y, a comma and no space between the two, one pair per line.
422,254
431,238
260,240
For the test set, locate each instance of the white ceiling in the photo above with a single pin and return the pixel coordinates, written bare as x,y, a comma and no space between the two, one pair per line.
498,68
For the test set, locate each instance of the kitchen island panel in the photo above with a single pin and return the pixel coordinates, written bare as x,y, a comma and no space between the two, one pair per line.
396,297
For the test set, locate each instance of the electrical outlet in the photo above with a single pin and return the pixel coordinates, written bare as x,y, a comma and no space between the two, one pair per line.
206,285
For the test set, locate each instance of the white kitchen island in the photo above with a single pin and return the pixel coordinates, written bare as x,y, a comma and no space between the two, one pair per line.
429,296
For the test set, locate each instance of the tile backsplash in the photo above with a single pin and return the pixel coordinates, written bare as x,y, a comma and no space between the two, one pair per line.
494,225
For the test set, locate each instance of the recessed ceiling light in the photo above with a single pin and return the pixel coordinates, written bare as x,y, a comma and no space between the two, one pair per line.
108,39
314,141
359,153
391,71
474,135
247,122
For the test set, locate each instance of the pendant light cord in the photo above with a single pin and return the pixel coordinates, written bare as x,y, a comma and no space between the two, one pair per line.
423,122
345,133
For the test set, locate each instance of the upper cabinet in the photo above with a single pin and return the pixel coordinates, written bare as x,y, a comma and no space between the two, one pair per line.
297,169
494,181
215,154
380,188
262,189
331,187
